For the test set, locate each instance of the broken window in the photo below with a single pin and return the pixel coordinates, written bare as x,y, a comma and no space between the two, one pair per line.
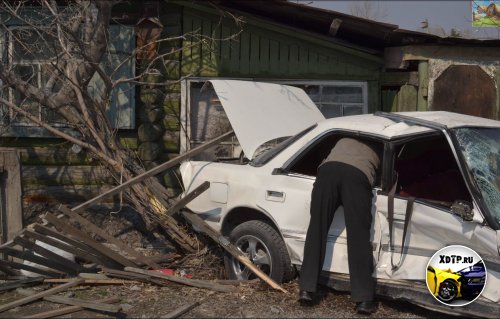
480,148
427,170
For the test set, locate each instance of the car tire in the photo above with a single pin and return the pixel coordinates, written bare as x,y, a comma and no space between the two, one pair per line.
263,245
448,290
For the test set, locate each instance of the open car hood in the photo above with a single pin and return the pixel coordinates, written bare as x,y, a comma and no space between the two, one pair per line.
260,112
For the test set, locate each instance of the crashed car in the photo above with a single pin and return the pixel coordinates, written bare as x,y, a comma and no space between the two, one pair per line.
444,284
472,280
448,162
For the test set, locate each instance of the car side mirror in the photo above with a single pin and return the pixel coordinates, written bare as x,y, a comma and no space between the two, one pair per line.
463,209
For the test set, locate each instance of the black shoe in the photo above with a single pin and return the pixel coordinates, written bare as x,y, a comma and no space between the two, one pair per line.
306,298
366,307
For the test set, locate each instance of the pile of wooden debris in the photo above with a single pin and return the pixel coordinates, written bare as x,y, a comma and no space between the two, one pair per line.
63,250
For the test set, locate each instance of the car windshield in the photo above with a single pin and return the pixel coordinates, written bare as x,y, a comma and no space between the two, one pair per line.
269,154
480,148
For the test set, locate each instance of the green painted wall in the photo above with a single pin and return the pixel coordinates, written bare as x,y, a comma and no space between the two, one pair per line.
256,51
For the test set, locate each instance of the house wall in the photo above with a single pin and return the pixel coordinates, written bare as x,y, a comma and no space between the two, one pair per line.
200,44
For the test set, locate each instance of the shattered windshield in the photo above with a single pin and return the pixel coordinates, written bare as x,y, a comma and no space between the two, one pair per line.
481,149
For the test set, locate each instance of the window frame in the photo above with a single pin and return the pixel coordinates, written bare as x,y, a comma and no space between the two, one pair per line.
10,128
186,84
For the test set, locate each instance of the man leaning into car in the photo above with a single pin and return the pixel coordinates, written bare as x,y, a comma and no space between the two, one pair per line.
346,178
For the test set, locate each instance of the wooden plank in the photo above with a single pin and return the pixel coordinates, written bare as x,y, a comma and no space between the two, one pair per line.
230,248
12,219
6,270
185,281
40,295
85,303
135,276
79,235
274,57
235,45
264,55
21,283
72,267
92,281
63,246
100,258
56,269
186,199
254,53
104,235
16,265
245,47
152,172
66,310
182,310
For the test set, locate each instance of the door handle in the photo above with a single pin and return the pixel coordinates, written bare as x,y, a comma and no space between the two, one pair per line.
275,196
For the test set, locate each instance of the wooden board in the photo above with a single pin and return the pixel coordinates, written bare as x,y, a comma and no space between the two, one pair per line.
71,267
96,230
101,259
185,281
16,265
79,235
40,295
11,214
55,267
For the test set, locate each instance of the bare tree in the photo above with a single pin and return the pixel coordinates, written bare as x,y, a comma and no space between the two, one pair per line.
73,41
368,10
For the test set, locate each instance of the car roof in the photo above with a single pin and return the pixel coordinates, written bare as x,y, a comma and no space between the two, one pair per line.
388,128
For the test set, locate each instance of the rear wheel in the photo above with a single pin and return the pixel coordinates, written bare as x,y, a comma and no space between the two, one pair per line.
263,245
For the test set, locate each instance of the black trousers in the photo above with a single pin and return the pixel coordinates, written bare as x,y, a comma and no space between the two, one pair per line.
340,184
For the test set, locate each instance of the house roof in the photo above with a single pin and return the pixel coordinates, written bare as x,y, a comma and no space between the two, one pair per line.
352,29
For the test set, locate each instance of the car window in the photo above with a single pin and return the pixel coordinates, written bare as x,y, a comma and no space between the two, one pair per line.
308,161
427,169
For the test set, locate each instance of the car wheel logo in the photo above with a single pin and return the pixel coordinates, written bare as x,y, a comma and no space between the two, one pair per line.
456,275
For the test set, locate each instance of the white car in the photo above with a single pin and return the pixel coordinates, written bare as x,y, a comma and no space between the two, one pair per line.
449,162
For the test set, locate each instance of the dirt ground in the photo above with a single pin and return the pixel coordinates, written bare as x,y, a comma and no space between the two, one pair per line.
252,299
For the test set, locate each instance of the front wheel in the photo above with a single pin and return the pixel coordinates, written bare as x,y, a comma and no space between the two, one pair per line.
263,245
447,290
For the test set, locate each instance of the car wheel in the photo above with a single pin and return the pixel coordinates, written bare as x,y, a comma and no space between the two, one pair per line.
263,245
447,290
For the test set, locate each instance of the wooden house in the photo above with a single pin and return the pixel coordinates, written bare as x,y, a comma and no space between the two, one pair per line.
347,65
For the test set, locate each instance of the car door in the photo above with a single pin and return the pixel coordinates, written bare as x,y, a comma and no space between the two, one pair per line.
426,169
295,180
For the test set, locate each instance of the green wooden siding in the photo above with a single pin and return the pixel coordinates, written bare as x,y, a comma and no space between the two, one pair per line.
257,52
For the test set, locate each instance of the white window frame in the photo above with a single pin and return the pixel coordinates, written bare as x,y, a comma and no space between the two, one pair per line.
28,129
36,62
185,112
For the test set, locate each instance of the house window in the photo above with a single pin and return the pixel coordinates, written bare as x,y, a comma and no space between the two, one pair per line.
206,119
335,98
33,54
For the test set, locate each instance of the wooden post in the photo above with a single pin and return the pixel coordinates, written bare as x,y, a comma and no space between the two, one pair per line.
11,214
423,85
